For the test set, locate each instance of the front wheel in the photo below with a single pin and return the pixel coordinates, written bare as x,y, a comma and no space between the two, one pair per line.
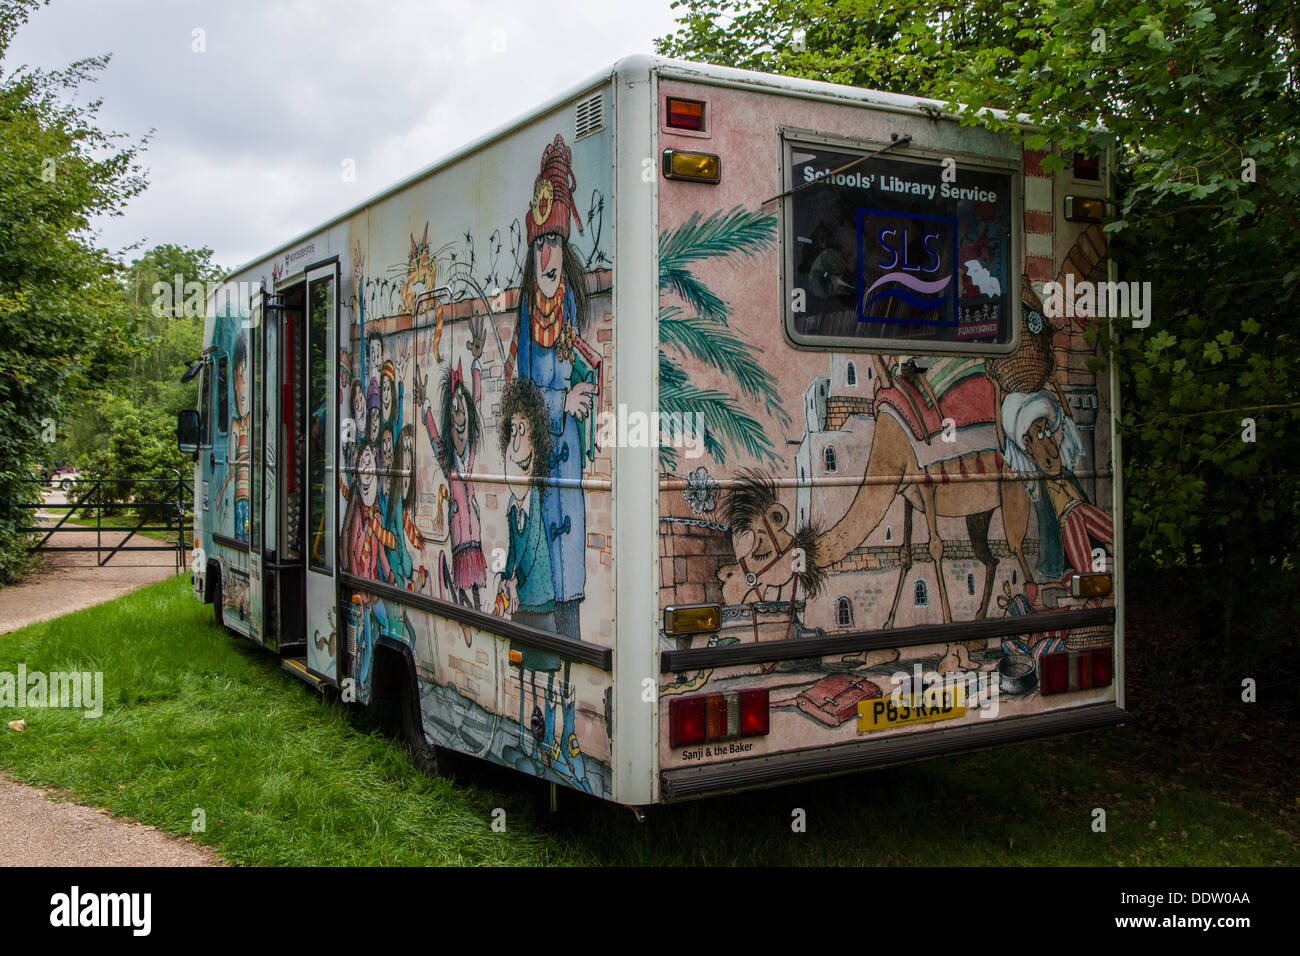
66,486
424,753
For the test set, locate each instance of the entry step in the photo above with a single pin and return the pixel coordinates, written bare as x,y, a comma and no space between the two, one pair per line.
297,666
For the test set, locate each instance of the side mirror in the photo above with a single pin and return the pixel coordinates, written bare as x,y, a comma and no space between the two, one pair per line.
187,431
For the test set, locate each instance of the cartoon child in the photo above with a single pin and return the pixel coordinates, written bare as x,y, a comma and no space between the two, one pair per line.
385,465
372,419
391,391
401,505
525,441
552,316
356,434
1043,445
455,443
374,360
367,544
239,462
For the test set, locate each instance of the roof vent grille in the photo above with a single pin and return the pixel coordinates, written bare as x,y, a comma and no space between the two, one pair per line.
590,115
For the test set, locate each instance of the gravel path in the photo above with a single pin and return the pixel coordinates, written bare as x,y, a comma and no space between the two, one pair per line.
40,827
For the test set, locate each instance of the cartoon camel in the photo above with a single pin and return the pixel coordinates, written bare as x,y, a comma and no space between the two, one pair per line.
893,469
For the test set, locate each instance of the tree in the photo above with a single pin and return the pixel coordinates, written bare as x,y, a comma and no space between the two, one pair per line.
63,317
148,380
890,45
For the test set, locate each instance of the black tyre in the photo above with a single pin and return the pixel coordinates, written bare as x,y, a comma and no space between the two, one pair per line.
424,754
218,597
66,486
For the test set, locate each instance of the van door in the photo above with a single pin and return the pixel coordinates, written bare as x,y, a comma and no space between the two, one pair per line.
257,460
318,426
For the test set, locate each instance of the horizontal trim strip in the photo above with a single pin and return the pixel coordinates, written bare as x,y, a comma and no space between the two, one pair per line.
282,566
491,478
221,539
574,650
796,648
749,772
854,480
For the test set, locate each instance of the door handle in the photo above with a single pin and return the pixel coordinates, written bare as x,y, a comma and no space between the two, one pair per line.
212,461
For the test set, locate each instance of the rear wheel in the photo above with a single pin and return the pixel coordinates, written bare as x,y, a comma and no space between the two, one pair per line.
66,486
423,751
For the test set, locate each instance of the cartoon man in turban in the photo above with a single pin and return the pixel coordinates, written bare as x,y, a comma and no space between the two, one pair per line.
1043,446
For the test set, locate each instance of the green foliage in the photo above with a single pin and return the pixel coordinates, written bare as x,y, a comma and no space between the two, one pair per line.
147,383
1199,100
63,317
138,463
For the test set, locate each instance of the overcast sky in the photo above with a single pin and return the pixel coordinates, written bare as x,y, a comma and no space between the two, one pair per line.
250,135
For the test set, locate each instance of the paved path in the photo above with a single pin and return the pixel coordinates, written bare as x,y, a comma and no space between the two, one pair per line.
37,828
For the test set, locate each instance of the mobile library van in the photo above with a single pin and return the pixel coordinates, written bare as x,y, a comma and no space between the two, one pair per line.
700,430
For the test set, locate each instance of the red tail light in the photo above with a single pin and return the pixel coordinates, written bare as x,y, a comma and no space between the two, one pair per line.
1103,667
755,715
710,717
687,721
686,114
1067,671
1087,167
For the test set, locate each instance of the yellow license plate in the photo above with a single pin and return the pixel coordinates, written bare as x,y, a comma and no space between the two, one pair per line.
923,708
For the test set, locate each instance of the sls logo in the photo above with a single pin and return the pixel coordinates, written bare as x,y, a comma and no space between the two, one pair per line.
75,908
906,265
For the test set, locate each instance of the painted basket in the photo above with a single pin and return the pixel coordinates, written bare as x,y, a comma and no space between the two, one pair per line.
1098,635
1028,368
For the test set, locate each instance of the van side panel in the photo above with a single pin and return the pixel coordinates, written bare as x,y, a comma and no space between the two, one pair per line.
454,319
943,525
493,579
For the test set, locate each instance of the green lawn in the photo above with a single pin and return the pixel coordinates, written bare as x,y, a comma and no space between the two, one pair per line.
197,718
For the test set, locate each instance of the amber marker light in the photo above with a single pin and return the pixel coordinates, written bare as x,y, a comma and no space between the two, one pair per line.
692,167
1084,209
1090,585
694,619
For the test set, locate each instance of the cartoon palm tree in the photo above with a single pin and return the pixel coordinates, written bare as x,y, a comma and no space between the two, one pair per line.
704,335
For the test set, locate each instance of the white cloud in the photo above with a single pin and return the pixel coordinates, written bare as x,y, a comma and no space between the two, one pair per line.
250,134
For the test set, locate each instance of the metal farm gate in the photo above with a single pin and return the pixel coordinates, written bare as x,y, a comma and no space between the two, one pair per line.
126,515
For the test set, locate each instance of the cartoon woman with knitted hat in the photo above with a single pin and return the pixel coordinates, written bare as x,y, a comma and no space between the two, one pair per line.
455,440
552,317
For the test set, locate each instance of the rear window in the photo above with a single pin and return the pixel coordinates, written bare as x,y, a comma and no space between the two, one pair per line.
889,250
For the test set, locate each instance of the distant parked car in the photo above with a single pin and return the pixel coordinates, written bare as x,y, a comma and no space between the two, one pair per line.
64,478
